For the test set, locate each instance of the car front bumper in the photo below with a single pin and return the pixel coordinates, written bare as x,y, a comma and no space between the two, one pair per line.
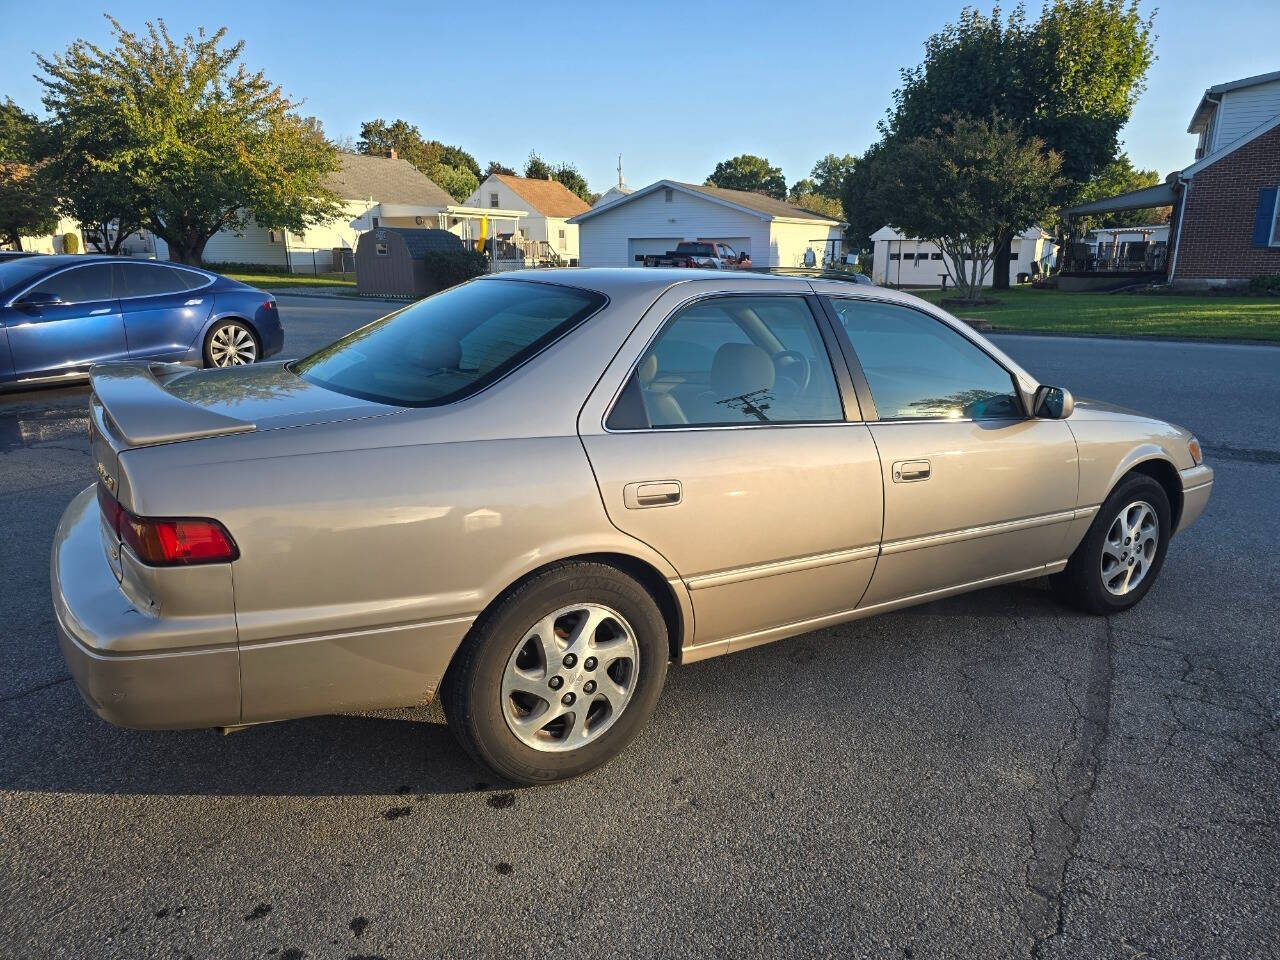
1197,484
129,663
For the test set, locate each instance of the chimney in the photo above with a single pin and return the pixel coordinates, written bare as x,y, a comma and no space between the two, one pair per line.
392,153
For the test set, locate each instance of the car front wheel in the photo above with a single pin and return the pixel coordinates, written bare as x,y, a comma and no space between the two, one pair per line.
560,675
1121,555
230,344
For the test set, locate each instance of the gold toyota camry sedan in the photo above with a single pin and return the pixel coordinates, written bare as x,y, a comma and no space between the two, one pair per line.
531,493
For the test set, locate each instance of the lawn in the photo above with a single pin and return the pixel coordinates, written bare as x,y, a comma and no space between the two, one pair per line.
286,281
1129,314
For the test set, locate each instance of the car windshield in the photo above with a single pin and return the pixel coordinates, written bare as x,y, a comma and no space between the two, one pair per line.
14,273
451,345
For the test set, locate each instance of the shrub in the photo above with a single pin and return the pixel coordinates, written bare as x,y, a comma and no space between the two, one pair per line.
1267,286
448,268
70,242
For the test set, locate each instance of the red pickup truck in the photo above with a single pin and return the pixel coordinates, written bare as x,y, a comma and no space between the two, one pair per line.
707,254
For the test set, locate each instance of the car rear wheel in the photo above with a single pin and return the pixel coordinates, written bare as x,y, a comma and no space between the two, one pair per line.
230,344
1123,551
560,675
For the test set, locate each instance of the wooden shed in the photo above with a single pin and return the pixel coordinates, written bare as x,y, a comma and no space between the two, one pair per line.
389,260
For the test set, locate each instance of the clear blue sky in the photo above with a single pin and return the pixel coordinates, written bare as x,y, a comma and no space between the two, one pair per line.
674,92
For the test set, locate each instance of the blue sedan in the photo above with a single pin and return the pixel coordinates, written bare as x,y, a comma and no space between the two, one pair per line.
61,314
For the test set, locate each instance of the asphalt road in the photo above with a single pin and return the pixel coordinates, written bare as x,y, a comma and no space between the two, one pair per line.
986,776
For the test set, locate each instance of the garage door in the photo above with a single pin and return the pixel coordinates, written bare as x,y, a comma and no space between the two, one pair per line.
638,247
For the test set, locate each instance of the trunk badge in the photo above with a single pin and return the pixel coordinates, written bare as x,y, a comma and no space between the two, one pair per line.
107,478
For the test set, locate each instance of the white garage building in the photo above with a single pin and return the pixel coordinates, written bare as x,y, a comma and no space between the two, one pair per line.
657,217
902,261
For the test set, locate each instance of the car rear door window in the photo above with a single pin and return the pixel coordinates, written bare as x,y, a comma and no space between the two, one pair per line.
730,361
150,280
87,284
918,368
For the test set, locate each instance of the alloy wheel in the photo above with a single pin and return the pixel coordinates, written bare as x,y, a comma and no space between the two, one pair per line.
232,345
570,677
1129,548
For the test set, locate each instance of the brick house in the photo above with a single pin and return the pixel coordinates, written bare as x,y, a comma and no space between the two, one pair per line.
1225,225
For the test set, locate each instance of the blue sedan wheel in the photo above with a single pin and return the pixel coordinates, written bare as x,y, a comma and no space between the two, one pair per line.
230,344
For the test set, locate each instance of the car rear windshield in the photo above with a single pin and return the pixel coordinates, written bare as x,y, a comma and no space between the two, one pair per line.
451,345
696,249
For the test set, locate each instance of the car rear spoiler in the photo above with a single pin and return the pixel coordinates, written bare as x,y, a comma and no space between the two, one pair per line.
143,412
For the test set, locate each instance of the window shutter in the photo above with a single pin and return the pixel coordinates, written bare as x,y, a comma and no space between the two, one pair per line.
1264,219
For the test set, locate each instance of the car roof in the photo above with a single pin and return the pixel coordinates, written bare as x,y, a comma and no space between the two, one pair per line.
55,260
617,280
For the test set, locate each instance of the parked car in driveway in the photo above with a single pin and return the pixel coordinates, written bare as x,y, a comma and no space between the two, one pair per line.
530,492
61,314
707,254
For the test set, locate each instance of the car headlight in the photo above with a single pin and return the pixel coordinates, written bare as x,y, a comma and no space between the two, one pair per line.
1193,448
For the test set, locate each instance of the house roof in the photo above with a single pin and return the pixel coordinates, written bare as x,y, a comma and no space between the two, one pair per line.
1204,109
551,198
1161,195
384,180
420,241
767,208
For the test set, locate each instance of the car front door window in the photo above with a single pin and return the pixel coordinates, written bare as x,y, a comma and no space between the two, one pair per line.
731,361
918,368
87,284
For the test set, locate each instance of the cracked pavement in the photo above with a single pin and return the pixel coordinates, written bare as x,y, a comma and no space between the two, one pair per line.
991,775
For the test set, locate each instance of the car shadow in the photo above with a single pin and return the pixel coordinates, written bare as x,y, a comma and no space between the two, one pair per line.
54,744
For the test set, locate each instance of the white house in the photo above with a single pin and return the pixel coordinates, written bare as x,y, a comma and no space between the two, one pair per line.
655,218
898,260
375,191
1228,111
550,205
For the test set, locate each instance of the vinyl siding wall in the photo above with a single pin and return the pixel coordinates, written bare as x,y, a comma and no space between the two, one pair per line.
1242,110
789,241
910,270
603,240
534,226
253,244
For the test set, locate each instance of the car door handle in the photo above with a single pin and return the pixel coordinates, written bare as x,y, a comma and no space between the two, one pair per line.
101,311
651,493
908,471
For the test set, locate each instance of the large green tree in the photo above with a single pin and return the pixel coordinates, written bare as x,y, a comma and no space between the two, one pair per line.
1070,78
27,204
804,193
1117,177
749,172
203,142
452,168
829,173
566,173
965,183
496,167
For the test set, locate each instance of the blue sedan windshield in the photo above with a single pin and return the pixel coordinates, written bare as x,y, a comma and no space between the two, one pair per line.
451,345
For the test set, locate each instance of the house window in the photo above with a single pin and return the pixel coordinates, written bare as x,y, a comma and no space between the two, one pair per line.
375,223
893,256
668,194
493,201
562,243
381,249
937,256
1275,223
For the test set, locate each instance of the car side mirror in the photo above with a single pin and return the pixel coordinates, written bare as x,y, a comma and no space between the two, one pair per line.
1053,403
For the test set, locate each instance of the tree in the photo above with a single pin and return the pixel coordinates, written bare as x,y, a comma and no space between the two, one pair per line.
451,168
829,173
751,173
804,193
965,184
26,201
1070,78
201,141
868,204
496,167
535,168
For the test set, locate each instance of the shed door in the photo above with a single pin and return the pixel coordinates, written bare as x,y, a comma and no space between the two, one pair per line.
637,248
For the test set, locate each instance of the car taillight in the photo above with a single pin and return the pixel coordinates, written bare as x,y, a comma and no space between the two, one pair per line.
164,542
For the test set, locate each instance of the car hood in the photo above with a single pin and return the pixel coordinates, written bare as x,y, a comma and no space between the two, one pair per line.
268,395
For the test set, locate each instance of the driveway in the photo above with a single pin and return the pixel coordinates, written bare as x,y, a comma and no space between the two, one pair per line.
990,775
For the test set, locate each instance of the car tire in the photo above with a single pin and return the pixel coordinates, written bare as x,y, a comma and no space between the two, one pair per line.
231,343
1100,576
502,680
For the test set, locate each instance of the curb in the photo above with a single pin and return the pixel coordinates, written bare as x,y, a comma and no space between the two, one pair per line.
292,292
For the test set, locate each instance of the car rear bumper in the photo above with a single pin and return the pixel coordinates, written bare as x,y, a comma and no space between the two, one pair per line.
1197,484
117,653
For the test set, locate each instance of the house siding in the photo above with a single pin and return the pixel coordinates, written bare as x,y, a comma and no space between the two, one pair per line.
604,238
1242,110
927,273
535,226
253,244
789,241
1215,236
